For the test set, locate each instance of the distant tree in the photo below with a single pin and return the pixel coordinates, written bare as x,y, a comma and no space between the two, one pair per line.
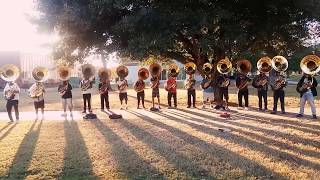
185,30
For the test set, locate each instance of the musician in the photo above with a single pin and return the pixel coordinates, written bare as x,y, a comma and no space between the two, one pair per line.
172,91
65,91
122,87
223,83
86,86
140,94
307,89
261,82
278,92
38,101
208,91
104,87
155,90
190,86
11,93
242,81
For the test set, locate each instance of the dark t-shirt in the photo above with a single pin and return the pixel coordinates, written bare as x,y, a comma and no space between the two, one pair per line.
68,93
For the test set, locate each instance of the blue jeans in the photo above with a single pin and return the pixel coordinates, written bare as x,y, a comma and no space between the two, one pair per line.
307,96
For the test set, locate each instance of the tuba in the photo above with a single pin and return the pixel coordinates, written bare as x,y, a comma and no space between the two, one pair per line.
224,66
279,64
88,72
310,64
122,72
39,74
243,67
264,65
155,71
64,73
190,69
9,73
207,69
143,74
104,75
173,70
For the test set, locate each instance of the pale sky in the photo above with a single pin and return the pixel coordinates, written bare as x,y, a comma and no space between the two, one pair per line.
16,32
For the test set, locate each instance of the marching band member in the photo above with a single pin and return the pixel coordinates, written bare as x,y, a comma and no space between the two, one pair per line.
171,87
140,84
86,87
307,89
242,84
190,86
11,93
155,90
122,87
223,83
207,90
65,91
104,87
38,100
278,92
261,82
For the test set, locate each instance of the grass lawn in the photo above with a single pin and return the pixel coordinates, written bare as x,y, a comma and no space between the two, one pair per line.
172,144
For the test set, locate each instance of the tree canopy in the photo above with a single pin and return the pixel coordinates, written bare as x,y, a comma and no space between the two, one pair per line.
185,30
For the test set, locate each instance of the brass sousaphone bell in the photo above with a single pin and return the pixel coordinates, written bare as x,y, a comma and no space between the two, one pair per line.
264,65
88,71
244,66
9,72
279,63
155,71
173,70
310,64
143,74
224,66
190,68
207,68
122,71
64,73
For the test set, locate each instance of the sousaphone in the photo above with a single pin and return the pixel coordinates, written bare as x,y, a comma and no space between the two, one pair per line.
9,72
39,74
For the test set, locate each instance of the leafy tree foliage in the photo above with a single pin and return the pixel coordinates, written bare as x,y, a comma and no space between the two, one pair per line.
185,30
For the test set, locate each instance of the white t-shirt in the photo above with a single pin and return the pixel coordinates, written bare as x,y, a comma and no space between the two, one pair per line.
13,87
122,82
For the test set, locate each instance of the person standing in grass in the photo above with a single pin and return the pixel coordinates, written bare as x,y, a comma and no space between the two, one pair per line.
190,86
208,91
171,87
123,96
11,94
307,89
38,98
65,91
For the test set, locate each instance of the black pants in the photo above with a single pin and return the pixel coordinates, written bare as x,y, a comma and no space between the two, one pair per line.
278,94
104,99
192,93
174,96
243,93
140,97
86,99
263,94
14,104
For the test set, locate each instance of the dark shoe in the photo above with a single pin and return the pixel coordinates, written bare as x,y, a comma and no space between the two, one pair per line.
188,106
299,115
283,112
90,111
314,117
84,111
195,107
273,112
101,110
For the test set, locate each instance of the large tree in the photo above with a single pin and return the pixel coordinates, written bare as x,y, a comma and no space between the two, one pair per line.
186,30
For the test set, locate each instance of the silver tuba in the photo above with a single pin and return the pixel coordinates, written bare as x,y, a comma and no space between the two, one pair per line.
39,74
9,73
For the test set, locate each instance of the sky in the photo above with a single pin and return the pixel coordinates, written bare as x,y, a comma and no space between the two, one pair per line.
16,32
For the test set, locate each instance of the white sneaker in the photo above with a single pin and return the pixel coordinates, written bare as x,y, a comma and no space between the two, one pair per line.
246,108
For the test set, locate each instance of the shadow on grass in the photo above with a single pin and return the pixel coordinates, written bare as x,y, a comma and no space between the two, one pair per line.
286,136
129,163
23,157
8,131
77,163
4,127
256,146
219,152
